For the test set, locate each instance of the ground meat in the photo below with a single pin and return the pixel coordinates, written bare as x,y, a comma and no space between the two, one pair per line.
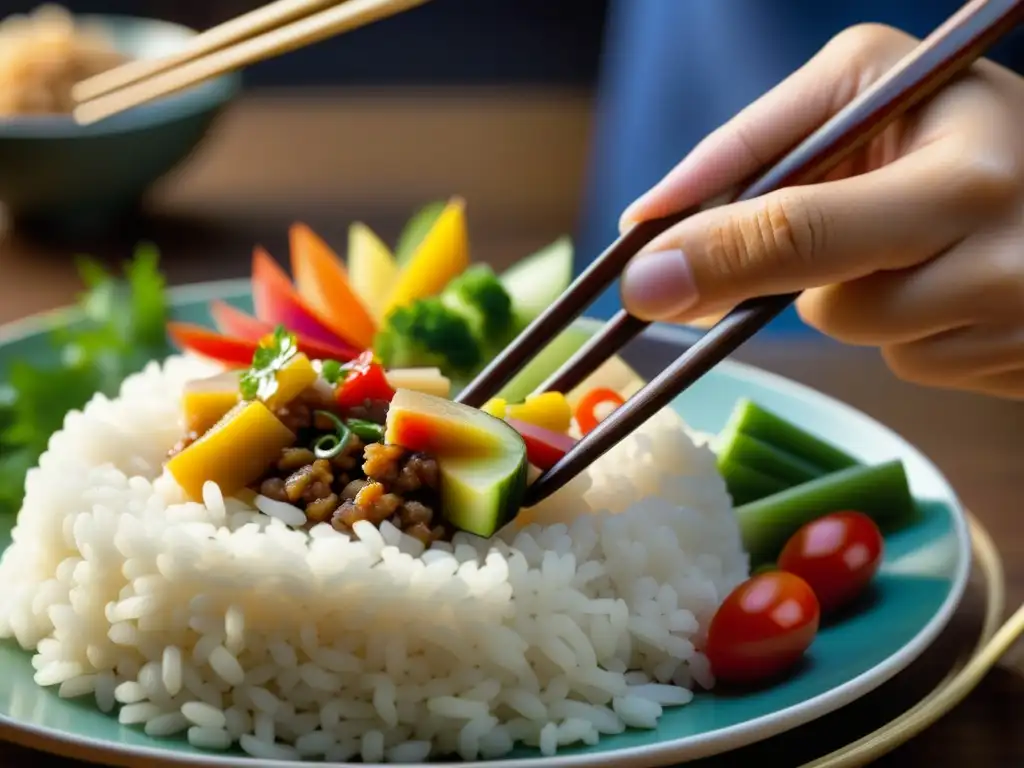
294,458
348,493
382,462
309,483
420,471
403,470
375,504
273,488
349,459
321,510
371,410
415,513
298,414
364,482
422,533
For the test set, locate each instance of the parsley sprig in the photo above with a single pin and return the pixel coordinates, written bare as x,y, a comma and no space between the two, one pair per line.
122,329
272,355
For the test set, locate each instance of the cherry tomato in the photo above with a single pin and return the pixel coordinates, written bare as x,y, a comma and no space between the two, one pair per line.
588,410
837,554
364,380
762,628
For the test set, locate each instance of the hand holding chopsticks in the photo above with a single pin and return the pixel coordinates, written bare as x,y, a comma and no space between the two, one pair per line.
945,54
274,29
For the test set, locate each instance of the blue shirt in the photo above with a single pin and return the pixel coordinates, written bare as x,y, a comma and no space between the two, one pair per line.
674,70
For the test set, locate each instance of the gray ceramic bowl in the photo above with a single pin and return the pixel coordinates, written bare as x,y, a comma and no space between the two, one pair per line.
60,174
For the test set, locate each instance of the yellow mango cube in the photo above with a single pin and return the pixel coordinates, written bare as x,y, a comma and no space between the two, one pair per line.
296,375
234,452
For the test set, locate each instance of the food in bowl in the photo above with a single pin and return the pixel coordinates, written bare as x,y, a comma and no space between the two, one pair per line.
43,54
259,545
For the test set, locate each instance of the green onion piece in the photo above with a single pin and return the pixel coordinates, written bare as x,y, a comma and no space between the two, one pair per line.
329,446
332,371
367,431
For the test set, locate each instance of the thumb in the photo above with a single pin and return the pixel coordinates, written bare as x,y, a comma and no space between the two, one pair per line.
804,237
775,122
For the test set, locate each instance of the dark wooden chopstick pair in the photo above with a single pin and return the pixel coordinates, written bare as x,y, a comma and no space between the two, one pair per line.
947,52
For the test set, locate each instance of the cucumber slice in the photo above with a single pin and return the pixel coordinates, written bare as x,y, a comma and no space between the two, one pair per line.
481,459
745,484
536,282
879,491
754,421
767,459
533,374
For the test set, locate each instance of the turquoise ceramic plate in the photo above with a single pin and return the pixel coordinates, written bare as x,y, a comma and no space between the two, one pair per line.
918,588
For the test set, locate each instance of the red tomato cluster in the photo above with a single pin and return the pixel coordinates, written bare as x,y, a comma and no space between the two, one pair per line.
767,623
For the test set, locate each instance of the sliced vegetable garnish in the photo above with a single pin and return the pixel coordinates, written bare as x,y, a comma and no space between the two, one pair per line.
234,322
749,418
323,284
442,254
429,381
879,491
496,406
364,379
544,363
544,448
329,446
536,282
416,229
595,406
232,352
549,410
271,356
766,458
372,270
367,431
277,302
746,485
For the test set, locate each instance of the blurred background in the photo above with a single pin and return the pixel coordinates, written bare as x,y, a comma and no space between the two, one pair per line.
549,117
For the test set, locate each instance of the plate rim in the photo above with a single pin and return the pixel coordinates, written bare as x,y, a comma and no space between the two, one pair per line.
666,752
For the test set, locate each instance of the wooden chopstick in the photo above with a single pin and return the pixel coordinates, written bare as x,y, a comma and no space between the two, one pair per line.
615,334
297,34
949,50
240,28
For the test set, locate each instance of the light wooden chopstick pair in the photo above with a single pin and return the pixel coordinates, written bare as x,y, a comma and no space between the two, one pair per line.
274,29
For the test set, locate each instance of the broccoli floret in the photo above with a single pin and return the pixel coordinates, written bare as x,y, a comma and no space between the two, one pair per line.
427,333
478,295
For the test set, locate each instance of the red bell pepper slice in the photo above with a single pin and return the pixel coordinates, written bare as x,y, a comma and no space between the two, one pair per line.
234,322
544,448
363,379
586,410
232,352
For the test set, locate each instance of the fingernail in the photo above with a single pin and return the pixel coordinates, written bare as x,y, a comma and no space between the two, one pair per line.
658,285
627,219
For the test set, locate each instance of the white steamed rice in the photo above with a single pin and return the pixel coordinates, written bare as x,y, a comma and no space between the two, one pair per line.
223,625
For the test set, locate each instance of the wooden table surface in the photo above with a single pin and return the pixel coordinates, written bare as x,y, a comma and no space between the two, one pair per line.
518,157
